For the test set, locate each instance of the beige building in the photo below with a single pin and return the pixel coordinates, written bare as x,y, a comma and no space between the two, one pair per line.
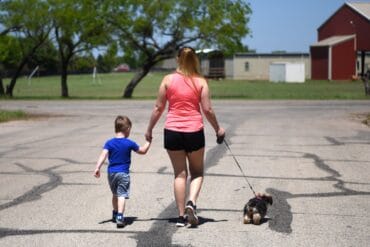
255,66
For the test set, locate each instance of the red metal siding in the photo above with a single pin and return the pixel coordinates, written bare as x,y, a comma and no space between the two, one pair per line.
347,21
343,60
319,63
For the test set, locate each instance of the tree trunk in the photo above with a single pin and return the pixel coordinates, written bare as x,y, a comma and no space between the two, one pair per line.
10,87
2,92
64,86
362,63
137,78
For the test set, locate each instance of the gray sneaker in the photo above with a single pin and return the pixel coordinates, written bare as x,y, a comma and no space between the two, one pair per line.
120,221
190,211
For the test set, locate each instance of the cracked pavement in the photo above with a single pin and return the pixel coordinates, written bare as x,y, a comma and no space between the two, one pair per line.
312,156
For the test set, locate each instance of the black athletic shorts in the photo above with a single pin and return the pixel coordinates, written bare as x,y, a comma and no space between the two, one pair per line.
188,141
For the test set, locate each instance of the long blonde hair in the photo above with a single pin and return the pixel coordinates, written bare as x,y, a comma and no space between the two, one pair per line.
188,62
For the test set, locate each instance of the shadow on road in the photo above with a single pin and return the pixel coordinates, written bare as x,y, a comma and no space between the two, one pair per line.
131,220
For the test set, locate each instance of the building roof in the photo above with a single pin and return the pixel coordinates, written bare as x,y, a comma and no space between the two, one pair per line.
333,40
360,7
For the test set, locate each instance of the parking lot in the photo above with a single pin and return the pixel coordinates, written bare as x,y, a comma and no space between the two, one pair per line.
311,156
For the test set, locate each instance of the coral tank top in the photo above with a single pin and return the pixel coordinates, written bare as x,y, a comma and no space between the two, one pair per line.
183,96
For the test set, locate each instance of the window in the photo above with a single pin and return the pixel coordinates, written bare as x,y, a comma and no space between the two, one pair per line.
246,66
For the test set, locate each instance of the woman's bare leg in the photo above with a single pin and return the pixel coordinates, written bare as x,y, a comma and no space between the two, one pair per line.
196,167
178,160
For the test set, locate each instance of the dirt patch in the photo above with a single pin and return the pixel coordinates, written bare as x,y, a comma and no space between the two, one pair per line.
362,117
367,120
31,116
41,116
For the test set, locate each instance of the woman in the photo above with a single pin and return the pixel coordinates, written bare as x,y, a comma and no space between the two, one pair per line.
186,92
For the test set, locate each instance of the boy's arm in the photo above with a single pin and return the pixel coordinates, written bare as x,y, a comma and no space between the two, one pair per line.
143,149
103,156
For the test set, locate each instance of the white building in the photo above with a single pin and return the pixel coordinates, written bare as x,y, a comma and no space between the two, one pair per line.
256,66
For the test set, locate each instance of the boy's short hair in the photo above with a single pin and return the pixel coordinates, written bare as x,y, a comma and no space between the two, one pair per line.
122,123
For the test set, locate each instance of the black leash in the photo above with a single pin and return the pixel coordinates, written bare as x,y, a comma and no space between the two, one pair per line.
236,161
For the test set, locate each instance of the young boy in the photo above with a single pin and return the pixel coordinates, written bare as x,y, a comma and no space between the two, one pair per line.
118,150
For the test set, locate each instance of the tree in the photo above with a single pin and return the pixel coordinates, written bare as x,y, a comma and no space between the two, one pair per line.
78,27
106,62
31,27
4,49
156,29
46,57
10,54
82,64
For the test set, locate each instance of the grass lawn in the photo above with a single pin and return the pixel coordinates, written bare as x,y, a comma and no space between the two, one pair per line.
111,86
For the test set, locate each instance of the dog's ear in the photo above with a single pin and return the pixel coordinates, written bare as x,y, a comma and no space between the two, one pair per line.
269,199
245,209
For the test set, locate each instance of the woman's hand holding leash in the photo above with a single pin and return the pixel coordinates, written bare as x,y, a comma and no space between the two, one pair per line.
220,135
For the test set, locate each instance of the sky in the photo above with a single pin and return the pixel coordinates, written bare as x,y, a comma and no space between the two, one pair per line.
288,25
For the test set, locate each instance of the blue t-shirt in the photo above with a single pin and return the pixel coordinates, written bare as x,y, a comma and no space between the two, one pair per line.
119,154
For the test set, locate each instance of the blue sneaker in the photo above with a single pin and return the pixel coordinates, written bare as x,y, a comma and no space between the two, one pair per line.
120,220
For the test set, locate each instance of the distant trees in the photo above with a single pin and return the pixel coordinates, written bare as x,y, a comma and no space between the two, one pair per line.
64,32
9,55
154,30
78,27
73,27
106,62
31,29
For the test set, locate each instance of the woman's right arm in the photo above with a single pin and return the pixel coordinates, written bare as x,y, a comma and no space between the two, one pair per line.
158,108
208,111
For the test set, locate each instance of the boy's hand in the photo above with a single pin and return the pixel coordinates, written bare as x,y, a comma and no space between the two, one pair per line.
97,173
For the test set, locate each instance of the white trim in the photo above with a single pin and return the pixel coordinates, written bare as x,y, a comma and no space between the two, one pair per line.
334,40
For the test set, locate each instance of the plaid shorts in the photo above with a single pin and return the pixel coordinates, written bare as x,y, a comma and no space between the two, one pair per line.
119,183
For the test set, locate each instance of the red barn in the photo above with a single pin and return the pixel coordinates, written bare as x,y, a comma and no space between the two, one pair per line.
340,38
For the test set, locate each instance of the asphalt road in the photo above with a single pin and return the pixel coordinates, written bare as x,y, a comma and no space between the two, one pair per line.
313,157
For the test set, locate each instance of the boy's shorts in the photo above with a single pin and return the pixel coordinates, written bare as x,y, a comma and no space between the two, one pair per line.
119,183
188,141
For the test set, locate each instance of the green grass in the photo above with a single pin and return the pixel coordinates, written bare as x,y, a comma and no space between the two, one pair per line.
111,86
6,116
269,90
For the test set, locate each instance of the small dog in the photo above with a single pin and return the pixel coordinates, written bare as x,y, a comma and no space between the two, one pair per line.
256,208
